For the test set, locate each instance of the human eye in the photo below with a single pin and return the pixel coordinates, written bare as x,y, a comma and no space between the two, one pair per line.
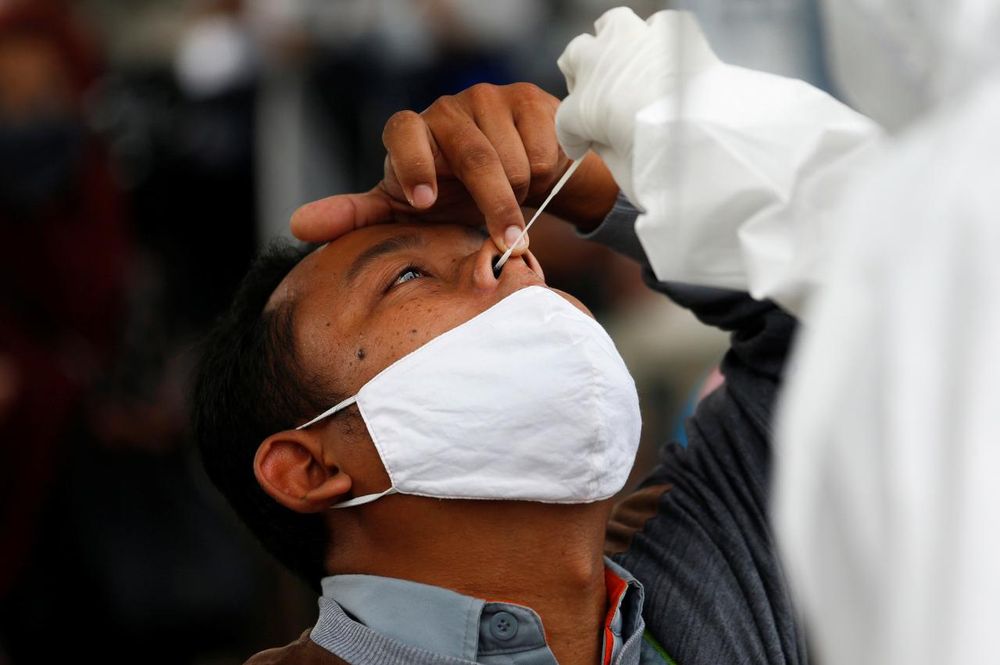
407,274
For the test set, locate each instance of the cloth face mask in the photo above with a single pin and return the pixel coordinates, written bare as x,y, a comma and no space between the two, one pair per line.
528,400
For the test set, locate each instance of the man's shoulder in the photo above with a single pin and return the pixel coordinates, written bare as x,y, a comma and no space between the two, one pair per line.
302,651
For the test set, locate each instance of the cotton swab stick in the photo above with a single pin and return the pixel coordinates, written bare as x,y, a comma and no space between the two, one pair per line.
555,190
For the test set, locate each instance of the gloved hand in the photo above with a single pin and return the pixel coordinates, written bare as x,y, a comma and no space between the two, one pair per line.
733,169
627,66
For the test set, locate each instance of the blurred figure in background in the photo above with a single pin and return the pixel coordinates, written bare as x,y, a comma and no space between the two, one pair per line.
213,119
99,500
62,260
333,72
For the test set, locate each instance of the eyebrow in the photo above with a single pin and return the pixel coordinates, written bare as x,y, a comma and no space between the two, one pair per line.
380,249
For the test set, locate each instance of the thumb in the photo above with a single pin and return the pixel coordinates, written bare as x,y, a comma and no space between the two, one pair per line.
328,219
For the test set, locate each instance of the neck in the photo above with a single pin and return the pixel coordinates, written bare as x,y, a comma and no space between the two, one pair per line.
544,556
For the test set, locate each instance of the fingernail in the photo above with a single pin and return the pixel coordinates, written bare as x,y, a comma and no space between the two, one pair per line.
423,196
510,236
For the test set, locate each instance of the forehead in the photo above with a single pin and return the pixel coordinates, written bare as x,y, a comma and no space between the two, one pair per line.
342,260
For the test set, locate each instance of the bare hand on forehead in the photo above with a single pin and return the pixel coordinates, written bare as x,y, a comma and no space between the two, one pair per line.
474,157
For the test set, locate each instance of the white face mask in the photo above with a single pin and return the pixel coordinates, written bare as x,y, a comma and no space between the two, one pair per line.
528,400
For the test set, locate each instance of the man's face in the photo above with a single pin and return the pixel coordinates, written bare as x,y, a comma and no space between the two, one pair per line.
378,293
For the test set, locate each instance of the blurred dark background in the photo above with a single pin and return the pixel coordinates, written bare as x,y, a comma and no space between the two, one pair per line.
147,149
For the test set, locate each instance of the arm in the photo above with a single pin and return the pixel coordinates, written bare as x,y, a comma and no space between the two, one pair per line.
715,592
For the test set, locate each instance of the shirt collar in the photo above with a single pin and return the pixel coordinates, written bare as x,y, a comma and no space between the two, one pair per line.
624,618
450,624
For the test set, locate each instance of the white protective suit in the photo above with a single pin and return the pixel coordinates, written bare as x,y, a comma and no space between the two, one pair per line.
888,442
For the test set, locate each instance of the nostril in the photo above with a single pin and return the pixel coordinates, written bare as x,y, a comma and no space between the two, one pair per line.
496,270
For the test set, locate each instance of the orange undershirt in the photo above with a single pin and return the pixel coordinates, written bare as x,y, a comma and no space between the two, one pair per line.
616,589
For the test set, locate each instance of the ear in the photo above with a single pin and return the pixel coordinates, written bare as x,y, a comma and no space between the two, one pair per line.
290,467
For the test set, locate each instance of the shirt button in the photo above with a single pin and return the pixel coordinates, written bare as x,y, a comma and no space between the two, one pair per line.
503,625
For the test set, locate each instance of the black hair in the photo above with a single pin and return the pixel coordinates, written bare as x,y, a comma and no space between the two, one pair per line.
249,385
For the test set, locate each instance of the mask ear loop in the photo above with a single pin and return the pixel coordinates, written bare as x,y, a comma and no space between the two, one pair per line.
361,500
329,412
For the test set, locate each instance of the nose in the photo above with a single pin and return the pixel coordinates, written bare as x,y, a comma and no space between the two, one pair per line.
524,268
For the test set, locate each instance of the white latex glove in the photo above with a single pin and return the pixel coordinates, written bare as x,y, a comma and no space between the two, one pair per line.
733,169
612,76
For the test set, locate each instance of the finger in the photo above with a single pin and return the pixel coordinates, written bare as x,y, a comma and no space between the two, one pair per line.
477,165
411,153
328,219
499,129
535,124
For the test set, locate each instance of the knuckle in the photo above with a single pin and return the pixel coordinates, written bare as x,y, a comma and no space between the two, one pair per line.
506,207
402,118
397,121
442,104
482,93
540,106
525,90
476,160
519,180
532,98
542,163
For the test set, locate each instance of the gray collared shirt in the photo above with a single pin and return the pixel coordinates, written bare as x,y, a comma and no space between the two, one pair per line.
371,620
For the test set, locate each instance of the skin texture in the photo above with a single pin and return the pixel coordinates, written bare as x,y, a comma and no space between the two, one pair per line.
476,156
351,324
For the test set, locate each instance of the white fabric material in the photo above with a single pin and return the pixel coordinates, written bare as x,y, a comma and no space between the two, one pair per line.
886,492
602,73
889,441
886,445
895,59
529,400
734,169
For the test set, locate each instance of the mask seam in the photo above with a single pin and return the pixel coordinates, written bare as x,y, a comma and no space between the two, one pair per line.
437,341
369,426
597,378
599,383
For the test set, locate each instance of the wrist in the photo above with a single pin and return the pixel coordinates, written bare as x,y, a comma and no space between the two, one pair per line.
588,197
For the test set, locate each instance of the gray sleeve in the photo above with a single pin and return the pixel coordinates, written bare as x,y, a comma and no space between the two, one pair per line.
617,231
715,590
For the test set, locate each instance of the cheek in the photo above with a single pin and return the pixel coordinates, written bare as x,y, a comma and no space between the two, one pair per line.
403,330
